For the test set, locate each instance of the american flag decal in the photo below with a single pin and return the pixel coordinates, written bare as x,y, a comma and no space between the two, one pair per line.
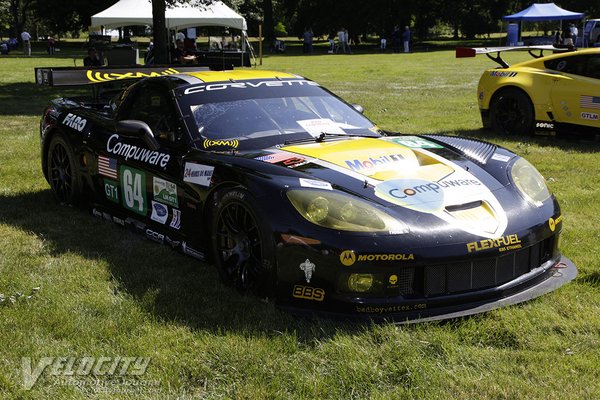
589,102
107,167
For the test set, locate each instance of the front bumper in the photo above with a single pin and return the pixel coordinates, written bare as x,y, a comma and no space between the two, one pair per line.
537,282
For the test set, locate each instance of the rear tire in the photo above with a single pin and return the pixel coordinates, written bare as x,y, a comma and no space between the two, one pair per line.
63,171
242,244
511,113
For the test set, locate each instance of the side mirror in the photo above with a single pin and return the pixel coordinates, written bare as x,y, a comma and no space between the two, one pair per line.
138,130
358,108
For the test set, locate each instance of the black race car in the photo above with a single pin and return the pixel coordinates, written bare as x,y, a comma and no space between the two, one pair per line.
293,194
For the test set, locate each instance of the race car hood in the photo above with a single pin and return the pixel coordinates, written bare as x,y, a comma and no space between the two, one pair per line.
401,171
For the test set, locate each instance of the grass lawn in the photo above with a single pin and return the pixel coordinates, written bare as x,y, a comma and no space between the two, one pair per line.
91,289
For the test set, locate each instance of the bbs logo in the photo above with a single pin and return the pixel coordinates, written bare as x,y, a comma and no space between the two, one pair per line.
221,143
308,293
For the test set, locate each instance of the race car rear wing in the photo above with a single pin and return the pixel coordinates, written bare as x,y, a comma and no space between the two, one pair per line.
76,76
462,52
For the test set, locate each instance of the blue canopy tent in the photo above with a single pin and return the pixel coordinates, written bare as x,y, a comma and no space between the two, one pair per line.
543,12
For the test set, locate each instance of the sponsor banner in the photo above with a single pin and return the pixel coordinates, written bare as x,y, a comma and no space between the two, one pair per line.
308,293
504,243
107,167
136,153
176,221
160,212
553,222
165,191
198,173
75,122
589,116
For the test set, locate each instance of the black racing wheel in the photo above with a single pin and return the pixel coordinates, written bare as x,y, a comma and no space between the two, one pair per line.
511,113
242,244
63,172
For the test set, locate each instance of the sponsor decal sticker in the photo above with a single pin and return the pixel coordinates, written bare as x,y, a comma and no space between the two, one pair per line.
111,190
544,125
373,162
160,212
155,236
176,221
119,221
308,268
312,183
165,191
505,243
347,257
589,116
130,151
415,142
98,76
107,167
308,293
390,309
316,127
247,85
500,157
133,189
198,173
386,257
393,279
589,102
553,222
503,74
416,194
233,143
75,122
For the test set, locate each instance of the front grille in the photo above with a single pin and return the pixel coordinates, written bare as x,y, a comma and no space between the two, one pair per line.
484,273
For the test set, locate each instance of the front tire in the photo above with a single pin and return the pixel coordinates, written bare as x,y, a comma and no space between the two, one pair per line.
63,171
511,113
242,243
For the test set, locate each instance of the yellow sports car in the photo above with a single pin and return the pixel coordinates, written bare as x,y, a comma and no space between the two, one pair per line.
559,92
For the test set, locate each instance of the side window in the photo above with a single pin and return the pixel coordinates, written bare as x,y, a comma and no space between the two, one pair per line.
569,65
151,104
592,67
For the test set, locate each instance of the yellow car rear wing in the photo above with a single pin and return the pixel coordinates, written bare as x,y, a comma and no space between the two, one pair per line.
462,52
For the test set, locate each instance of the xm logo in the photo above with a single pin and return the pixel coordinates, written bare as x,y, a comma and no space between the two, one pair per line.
84,366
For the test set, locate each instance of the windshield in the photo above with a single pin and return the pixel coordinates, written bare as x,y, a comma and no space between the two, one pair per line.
278,110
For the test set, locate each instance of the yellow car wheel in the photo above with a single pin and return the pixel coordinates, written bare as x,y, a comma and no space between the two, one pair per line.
511,113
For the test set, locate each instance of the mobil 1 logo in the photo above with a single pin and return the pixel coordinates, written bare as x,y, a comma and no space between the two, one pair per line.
133,189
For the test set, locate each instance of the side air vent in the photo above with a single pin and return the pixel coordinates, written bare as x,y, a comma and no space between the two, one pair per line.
475,150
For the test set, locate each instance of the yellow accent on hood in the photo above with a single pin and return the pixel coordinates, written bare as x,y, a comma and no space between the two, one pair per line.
375,158
238,75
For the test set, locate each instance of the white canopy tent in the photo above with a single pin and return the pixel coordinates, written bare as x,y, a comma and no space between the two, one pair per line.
139,12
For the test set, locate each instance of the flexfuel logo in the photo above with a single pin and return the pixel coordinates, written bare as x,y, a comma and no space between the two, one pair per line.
505,243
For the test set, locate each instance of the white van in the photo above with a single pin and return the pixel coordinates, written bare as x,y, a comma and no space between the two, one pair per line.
591,33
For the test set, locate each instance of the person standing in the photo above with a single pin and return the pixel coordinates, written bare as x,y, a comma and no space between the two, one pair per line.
342,40
406,39
26,38
574,33
308,41
396,39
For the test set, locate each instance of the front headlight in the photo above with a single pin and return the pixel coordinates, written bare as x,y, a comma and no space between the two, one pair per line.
337,210
529,182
